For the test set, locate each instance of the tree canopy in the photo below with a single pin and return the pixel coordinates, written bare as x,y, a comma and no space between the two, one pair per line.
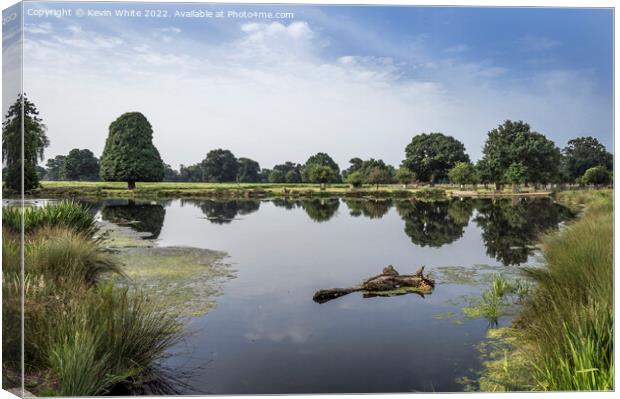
220,166
80,165
404,175
321,174
310,172
583,153
512,143
129,154
462,173
432,155
288,172
597,175
378,176
35,142
54,167
248,170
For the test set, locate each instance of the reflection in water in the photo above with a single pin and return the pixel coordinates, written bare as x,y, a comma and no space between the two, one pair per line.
264,338
285,203
318,209
140,216
321,210
222,212
434,223
510,228
373,209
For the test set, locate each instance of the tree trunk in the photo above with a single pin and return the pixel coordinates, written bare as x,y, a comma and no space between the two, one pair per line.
322,186
497,187
131,185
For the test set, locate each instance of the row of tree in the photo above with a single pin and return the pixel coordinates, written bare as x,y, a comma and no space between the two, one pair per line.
512,154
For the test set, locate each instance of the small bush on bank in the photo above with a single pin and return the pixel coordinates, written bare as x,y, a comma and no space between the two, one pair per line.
431,193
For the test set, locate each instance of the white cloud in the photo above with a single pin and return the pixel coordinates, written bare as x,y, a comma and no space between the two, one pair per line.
459,48
271,95
537,43
168,34
44,28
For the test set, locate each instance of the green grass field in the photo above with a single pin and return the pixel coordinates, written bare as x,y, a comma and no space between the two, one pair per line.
186,189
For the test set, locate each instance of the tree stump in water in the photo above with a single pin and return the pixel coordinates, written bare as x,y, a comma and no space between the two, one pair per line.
389,281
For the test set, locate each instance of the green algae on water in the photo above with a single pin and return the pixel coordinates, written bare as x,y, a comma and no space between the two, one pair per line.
185,279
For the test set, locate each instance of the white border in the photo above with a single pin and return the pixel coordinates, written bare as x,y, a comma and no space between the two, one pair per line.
480,3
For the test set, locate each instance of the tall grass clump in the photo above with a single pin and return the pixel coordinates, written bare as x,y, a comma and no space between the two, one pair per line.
85,335
67,214
568,317
562,337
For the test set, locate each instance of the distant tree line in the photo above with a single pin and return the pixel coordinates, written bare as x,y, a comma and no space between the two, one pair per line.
513,155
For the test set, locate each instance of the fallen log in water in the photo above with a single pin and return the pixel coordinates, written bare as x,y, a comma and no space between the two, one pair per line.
389,281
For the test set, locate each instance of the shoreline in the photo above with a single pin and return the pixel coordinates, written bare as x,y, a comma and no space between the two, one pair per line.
169,190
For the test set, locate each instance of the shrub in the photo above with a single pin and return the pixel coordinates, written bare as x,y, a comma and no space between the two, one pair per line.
431,193
62,214
59,254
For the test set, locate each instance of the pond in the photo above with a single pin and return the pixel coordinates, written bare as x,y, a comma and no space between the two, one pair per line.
265,334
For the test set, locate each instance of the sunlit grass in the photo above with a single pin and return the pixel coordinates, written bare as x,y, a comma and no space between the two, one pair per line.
569,314
62,214
562,339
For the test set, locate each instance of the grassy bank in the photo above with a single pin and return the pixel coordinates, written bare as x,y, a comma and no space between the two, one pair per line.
82,336
562,339
260,190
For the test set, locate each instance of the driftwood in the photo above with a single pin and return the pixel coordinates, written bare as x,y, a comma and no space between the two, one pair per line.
389,281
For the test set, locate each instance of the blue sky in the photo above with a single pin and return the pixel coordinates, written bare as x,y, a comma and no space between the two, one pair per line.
350,81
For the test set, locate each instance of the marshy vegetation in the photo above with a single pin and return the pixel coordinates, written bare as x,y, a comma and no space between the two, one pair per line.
83,336
562,338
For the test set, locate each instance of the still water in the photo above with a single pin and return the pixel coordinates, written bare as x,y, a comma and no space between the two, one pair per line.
267,336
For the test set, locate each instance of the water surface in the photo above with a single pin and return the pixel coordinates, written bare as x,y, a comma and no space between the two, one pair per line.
267,336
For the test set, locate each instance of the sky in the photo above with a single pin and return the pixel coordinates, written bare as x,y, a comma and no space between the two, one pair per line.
351,81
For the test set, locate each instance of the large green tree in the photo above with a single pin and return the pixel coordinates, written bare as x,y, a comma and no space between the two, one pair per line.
288,172
378,176
54,167
320,159
514,142
80,165
583,153
23,111
220,166
248,170
321,174
129,154
364,167
432,155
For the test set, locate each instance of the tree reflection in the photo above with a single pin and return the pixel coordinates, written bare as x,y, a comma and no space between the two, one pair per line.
143,217
434,223
223,212
373,209
320,210
511,228
285,203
